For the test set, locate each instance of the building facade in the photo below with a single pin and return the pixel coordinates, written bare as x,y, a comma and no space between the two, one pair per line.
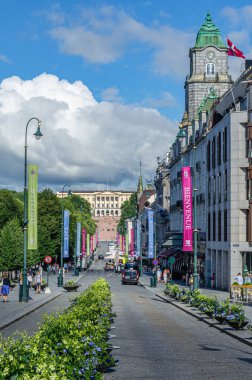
106,209
216,142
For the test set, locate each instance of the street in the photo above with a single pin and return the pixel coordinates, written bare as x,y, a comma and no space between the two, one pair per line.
157,341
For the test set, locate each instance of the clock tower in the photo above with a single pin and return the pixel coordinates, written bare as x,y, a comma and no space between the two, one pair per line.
208,67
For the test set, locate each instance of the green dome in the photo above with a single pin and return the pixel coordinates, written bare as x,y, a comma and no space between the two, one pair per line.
209,34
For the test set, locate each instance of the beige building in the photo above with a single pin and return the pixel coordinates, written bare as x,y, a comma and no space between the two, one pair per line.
105,203
106,209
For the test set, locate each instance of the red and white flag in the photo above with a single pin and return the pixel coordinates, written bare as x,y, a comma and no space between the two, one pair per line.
232,50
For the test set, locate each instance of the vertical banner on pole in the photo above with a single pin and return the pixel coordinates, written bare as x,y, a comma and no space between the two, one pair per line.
33,206
187,209
78,239
132,242
83,241
138,238
92,244
127,244
66,234
123,243
150,234
88,245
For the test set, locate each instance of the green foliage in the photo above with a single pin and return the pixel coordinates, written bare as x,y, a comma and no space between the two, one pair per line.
71,345
129,210
49,224
11,245
10,207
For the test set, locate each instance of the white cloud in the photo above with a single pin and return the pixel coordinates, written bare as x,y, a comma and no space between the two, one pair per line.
111,94
164,101
85,142
103,35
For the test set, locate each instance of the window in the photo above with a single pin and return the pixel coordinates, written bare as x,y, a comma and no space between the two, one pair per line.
208,156
225,225
225,185
116,212
214,190
107,199
112,199
102,198
116,198
98,198
209,191
225,145
102,212
219,187
214,226
219,148
219,226
210,68
98,212
209,226
213,153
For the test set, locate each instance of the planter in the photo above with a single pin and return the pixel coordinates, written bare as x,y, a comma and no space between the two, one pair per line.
237,325
220,319
72,288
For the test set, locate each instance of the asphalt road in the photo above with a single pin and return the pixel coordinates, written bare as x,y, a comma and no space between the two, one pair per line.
157,340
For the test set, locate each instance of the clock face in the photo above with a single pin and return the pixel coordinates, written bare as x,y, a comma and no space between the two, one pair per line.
210,55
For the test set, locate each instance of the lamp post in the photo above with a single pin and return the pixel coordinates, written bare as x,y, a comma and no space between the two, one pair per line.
60,278
24,293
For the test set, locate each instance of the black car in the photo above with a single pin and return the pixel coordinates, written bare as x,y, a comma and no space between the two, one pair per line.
100,257
130,276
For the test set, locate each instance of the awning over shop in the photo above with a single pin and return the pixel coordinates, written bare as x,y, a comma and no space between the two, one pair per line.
175,240
169,252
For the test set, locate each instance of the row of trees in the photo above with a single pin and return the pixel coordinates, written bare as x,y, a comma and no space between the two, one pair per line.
49,226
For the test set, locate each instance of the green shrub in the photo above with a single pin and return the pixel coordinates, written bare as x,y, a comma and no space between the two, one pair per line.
70,345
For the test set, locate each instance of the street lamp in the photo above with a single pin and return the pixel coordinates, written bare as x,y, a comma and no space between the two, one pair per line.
60,278
24,292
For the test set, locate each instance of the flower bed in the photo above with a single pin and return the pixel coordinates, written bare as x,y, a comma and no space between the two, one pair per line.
71,345
223,312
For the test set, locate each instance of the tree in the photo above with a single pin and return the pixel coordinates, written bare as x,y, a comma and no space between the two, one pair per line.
10,207
129,210
11,245
49,224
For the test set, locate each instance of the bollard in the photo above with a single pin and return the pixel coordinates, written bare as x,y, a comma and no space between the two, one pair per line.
151,282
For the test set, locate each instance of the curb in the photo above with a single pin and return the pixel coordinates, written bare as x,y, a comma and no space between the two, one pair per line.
202,319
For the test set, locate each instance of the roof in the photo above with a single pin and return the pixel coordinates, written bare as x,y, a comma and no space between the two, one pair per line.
208,100
175,240
209,34
169,252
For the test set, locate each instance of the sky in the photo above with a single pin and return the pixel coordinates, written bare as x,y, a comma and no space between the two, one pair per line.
106,78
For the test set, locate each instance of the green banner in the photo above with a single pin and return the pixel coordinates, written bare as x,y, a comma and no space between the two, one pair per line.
88,244
32,206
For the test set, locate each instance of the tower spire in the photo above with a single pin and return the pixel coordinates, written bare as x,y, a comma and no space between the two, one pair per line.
140,180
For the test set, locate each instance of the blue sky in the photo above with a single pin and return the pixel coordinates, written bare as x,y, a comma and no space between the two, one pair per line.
131,58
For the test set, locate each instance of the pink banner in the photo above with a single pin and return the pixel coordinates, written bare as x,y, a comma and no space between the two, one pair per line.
83,241
123,243
187,209
92,243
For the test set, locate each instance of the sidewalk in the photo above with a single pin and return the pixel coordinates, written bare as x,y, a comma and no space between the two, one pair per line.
14,310
244,336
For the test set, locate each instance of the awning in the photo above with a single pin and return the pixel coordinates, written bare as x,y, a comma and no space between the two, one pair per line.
169,252
175,240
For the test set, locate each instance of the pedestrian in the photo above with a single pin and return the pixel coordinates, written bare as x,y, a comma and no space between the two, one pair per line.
29,279
191,282
165,275
247,279
54,269
38,282
5,287
238,278
159,272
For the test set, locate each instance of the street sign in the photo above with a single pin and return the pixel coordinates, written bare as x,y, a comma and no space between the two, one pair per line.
48,259
155,261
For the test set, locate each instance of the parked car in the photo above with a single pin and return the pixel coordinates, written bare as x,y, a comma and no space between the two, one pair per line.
130,276
109,267
100,257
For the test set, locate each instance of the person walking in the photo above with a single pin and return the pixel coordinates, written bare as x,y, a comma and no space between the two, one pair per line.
38,282
165,275
5,287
